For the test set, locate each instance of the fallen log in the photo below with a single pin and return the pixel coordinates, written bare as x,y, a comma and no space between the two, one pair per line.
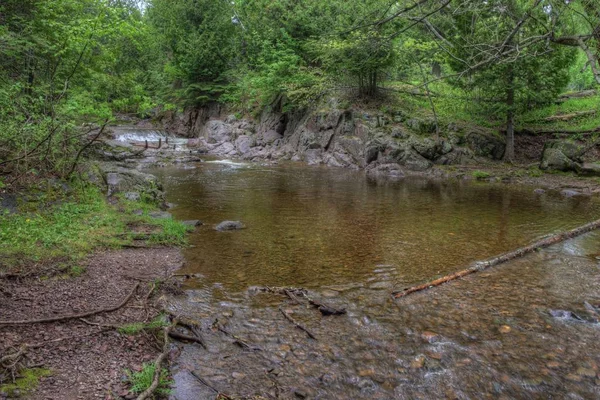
520,252
568,117
73,316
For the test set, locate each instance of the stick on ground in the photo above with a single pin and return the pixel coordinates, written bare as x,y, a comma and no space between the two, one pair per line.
73,316
520,252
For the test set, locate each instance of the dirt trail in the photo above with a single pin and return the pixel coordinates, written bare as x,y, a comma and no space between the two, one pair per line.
93,363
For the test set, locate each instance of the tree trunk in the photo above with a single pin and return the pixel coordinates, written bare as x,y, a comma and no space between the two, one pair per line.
509,152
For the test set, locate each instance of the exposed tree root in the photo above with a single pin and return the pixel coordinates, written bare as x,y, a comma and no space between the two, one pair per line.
73,316
520,252
146,394
293,321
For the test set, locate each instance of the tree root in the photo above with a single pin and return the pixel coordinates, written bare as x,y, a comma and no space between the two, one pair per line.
73,316
146,394
293,321
520,252
295,293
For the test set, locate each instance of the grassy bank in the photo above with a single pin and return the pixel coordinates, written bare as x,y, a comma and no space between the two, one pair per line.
65,228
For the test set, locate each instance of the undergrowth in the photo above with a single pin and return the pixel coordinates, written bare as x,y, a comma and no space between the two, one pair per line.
136,327
27,382
140,381
69,227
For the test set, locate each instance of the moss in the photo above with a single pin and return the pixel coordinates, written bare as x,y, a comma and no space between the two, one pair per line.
27,382
481,175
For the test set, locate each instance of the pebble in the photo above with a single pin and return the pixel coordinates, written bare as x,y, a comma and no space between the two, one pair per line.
553,364
238,375
429,336
504,329
418,362
574,378
366,372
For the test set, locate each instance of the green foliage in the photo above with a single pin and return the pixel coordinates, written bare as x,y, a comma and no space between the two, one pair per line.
55,226
26,383
137,327
481,175
140,381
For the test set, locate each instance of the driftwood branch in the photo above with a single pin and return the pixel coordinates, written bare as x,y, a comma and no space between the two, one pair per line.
302,328
73,316
520,252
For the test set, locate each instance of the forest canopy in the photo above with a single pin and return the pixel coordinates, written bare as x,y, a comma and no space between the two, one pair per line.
64,63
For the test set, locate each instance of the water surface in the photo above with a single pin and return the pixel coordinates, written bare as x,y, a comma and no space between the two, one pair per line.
350,241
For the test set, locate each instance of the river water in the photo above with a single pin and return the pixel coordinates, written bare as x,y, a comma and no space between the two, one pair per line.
350,241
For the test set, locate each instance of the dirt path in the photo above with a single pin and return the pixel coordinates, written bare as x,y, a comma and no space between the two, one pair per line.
92,366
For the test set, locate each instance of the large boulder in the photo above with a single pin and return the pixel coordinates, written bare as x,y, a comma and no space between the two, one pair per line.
554,159
243,144
124,180
430,148
216,131
574,151
486,145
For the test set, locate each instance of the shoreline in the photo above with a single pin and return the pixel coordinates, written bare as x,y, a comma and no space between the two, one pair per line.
109,274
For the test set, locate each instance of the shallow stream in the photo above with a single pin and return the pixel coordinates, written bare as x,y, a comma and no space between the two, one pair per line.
350,241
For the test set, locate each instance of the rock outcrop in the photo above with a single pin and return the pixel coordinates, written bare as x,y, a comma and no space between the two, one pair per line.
340,138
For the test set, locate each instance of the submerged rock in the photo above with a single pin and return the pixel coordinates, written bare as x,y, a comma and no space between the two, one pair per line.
192,222
229,226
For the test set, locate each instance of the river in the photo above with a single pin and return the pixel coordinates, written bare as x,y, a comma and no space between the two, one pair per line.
350,241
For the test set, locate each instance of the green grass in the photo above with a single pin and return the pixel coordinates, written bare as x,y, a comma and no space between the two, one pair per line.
76,225
27,382
134,328
480,175
536,117
142,380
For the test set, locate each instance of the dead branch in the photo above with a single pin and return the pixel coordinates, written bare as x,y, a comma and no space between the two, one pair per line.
326,309
293,321
520,252
73,316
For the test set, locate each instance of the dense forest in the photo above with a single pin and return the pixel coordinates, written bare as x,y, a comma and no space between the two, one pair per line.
68,63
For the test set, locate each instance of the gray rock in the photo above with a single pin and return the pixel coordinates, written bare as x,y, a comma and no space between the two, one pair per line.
229,226
271,136
572,150
160,215
132,196
8,203
539,191
243,144
138,212
313,156
217,131
554,159
570,193
421,125
192,222
486,145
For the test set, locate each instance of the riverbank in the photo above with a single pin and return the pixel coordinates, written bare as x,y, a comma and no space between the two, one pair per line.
82,283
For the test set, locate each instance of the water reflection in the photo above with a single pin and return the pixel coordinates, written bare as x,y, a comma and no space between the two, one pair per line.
350,240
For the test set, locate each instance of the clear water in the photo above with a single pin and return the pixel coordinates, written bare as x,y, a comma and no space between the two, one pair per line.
350,241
